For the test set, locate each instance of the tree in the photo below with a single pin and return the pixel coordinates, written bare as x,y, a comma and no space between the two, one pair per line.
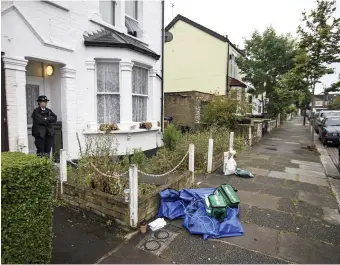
223,111
334,87
320,38
268,57
335,104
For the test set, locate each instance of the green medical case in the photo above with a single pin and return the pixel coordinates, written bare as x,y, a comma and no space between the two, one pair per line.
231,198
216,206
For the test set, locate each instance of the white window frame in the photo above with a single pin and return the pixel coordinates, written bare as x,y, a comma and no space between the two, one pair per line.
114,3
137,10
140,65
138,20
115,61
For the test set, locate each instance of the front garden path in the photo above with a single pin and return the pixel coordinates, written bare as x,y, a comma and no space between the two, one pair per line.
289,211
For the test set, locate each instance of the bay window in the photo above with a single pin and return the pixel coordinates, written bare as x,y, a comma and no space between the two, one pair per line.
139,93
108,98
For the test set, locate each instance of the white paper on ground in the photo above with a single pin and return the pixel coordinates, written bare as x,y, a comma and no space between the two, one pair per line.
231,165
157,224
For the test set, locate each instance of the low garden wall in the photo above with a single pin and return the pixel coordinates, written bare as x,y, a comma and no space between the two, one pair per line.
115,208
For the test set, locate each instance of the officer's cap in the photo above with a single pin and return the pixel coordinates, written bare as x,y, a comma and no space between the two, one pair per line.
42,98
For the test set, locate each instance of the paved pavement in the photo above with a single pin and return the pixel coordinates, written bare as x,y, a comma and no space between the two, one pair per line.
289,212
81,238
334,154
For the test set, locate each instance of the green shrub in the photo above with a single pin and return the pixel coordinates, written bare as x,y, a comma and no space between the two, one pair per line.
27,186
138,158
171,137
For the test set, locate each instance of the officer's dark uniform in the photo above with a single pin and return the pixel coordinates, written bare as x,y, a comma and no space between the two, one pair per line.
42,129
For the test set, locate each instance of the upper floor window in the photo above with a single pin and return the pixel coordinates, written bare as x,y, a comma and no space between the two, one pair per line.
107,10
131,18
131,9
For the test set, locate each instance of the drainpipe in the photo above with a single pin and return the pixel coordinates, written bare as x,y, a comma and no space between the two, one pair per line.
228,57
162,71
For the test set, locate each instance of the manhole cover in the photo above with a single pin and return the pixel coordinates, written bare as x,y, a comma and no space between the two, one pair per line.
161,234
152,245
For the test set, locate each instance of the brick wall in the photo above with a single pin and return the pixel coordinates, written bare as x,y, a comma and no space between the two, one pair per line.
185,107
115,208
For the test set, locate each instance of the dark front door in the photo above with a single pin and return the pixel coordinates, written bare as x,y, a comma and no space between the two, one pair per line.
4,127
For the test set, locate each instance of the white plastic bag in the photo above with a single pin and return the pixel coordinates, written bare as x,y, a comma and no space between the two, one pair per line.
230,166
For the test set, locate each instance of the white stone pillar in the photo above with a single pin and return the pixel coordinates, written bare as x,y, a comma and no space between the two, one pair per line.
15,75
91,87
151,98
69,110
120,16
125,91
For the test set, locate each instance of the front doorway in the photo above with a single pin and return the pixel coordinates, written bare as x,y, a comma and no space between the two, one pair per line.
39,83
34,88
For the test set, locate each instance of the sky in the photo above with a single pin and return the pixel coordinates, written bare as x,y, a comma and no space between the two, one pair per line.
239,18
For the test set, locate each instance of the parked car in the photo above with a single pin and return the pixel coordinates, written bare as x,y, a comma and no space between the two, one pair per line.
330,130
320,117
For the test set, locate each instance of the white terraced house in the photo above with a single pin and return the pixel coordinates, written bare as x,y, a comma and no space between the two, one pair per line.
97,61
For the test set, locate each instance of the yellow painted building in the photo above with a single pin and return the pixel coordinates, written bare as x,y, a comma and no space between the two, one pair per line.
197,59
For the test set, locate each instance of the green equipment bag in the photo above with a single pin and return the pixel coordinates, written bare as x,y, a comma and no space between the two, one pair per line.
216,206
231,198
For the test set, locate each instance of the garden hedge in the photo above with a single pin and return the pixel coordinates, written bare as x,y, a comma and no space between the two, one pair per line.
27,185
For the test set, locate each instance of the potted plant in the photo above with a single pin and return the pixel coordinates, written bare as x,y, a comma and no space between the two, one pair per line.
145,125
108,127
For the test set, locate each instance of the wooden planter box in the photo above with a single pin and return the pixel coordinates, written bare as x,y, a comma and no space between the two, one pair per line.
115,208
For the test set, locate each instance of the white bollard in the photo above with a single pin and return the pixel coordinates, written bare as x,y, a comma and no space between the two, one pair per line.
231,142
250,136
225,160
210,155
63,169
192,162
133,189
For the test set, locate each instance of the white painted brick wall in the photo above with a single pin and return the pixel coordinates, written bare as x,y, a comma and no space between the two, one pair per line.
66,28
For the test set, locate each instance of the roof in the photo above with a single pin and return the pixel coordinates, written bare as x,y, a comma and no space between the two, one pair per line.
202,28
112,38
235,82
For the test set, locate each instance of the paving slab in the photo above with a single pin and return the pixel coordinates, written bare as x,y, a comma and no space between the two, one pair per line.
301,162
307,173
312,168
279,191
256,238
257,199
269,181
331,216
287,205
271,219
193,250
281,175
304,251
259,171
317,199
317,229
308,210
312,180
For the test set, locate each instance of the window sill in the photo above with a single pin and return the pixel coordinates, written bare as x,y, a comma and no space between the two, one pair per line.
123,131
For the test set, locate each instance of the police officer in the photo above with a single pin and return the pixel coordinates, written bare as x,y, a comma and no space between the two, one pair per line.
42,130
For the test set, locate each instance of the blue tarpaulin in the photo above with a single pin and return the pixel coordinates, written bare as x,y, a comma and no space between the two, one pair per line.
189,205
